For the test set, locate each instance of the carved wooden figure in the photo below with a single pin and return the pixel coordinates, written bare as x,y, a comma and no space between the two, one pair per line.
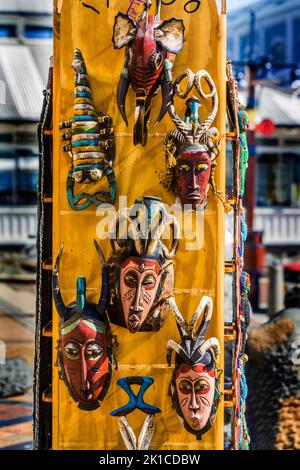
136,402
195,383
89,140
141,273
85,345
151,48
191,150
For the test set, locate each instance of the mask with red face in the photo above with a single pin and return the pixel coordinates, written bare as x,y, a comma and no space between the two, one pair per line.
191,151
141,274
195,383
151,48
85,347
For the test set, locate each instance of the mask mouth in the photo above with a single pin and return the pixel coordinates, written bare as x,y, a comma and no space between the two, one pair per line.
193,196
136,310
194,419
134,322
86,394
196,200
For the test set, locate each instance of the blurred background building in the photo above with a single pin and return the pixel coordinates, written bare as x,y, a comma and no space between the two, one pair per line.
25,48
264,44
268,34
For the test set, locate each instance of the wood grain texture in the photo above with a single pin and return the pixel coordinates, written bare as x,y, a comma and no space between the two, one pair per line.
196,272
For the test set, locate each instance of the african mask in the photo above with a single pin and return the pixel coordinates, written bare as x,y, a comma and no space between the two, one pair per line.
141,273
89,140
85,346
195,383
151,48
192,149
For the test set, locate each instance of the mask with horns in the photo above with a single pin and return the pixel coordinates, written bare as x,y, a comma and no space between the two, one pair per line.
195,383
151,49
141,273
191,150
85,346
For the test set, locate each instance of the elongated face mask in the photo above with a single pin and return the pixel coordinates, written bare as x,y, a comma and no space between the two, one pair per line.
191,150
141,272
85,358
85,346
140,279
192,174
195,382
195,388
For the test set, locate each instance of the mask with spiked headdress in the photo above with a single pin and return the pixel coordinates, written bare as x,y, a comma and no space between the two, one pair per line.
191,150
195,383
141,273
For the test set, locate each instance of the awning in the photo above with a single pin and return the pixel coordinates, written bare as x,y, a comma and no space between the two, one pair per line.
279,105
41,55
282,107
24,73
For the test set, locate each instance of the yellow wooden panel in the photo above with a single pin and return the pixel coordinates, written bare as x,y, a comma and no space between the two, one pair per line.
196,272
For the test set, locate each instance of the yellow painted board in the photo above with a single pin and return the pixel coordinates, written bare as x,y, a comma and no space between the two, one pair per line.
197,273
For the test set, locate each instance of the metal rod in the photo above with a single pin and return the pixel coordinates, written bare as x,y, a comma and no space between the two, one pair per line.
224,7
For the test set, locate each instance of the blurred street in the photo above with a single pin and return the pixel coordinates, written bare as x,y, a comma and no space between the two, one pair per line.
17,306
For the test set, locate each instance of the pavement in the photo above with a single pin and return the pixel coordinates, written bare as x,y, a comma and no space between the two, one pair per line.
17,308
16,423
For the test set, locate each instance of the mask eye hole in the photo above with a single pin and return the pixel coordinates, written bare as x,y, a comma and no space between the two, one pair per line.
149,281
185,386
130,279
72,350
201,167
201,386
184,168
94,351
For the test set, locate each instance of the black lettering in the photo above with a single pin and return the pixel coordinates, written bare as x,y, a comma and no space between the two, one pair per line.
192,6
86,5
170,2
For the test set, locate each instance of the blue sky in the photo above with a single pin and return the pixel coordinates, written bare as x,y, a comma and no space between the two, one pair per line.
233,4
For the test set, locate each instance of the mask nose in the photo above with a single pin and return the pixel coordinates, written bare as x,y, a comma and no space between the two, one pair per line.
85,385
136,306
193,182
193,403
